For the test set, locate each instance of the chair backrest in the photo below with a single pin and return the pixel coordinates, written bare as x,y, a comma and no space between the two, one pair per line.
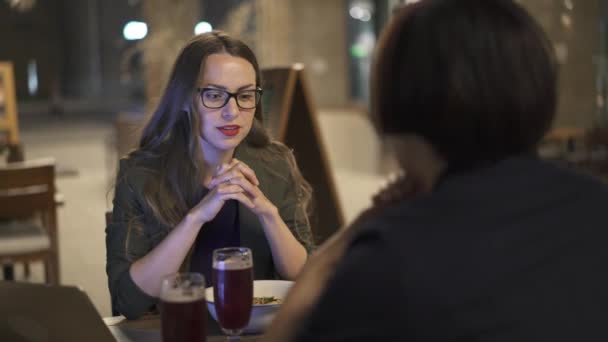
27,187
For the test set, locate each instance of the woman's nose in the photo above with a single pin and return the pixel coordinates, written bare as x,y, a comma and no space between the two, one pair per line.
230,110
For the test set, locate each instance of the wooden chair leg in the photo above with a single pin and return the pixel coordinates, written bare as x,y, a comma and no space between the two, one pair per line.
51,270
8,272
26,270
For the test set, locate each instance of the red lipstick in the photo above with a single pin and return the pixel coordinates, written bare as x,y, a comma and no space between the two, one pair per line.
229,130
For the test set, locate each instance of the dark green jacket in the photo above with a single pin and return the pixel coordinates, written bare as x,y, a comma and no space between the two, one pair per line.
127,298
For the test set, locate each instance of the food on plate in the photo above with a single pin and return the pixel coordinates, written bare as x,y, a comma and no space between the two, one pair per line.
266,300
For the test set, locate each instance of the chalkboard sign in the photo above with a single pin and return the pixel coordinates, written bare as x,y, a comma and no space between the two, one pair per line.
289,114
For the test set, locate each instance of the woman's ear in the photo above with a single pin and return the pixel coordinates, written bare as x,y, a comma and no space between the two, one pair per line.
189,109
194,118
187,106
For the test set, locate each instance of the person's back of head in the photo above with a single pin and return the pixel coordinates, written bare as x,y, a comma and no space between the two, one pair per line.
475,78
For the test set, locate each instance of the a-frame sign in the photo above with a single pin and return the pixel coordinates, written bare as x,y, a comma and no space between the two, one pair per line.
290,116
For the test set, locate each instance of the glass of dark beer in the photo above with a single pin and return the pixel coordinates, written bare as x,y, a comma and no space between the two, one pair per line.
233,288
183,309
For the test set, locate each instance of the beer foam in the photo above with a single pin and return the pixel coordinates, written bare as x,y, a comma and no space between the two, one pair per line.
233,264
178,295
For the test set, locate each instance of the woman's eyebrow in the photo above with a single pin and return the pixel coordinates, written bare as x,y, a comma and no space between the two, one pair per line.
224,88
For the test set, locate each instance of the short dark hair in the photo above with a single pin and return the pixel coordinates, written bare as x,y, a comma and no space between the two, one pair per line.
476,78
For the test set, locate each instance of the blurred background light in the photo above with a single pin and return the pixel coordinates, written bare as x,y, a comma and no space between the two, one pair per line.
32,77
566,20
360,13
357,51
22,5
135,30
356,12
202,27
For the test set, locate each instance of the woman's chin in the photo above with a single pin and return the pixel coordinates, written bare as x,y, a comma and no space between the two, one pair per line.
222,143
227,145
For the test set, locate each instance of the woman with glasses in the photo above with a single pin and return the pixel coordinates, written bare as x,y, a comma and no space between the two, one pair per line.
205,175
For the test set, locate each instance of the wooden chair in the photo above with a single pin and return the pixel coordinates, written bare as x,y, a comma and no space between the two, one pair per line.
27,191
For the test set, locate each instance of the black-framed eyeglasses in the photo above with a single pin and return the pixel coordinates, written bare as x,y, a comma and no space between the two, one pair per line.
214,98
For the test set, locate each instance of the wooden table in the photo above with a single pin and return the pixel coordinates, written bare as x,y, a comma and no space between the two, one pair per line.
147,329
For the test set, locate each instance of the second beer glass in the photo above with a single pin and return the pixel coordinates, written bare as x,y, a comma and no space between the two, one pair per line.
182,308
233,288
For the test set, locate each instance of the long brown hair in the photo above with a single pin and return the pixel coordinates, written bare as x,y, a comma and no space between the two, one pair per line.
170,139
